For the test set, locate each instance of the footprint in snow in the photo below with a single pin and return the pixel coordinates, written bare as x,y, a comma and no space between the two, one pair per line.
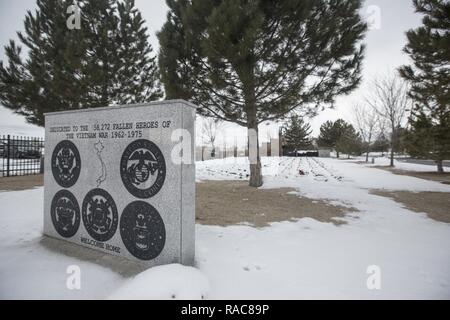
248,268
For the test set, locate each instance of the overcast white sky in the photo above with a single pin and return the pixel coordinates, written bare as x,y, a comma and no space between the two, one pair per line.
383,54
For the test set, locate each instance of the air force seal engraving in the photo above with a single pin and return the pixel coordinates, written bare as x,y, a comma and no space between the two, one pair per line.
100,217
65,213
142,230
66,164
143,169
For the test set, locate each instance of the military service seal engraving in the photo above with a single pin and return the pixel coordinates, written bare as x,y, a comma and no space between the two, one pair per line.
142,230
66,164
65,213
100,217
143,168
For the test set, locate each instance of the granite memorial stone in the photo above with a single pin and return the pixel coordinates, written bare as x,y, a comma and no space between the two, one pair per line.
122,180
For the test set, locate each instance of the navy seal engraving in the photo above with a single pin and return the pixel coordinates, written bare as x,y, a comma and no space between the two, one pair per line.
65,213
99,213
143,168
66,163
142,230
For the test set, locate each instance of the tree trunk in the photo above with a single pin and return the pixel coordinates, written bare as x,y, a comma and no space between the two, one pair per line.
368,146
256,179
392,145
440,166
392,156
248,80
256,175
337,154
368,150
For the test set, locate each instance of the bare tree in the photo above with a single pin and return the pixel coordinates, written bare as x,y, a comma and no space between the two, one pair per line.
367,121
389,99
382,130
210,129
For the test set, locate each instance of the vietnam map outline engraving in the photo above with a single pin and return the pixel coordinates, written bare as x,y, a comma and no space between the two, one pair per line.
99,148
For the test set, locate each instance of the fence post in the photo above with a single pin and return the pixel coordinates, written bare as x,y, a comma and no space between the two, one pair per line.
8,156
41,168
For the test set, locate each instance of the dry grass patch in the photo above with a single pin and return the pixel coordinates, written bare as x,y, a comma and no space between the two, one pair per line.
435,204
21,182
234,202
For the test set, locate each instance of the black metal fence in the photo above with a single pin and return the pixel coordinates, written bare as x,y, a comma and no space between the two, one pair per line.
21,155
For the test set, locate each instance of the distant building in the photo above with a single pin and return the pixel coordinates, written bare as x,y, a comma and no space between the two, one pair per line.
313,151
275,148
264,150
324,153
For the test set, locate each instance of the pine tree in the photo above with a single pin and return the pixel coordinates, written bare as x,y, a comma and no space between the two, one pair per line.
424,140
331,133
49,79
428,46
297,134
400,137
349,141
252,61
327,138
101,64
69,69
137,77
381,144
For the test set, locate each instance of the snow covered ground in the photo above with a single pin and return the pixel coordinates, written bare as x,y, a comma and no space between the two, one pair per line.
287,260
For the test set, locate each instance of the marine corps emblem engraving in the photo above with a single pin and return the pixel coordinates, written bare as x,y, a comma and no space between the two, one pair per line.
143,168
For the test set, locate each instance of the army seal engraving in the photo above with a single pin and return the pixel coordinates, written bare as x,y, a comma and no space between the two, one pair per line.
65,213
142,230
99,213
143,168
66,163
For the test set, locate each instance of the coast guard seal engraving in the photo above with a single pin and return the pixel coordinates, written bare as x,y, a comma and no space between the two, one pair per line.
143,168
99,213
65,213
142,230
66,164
